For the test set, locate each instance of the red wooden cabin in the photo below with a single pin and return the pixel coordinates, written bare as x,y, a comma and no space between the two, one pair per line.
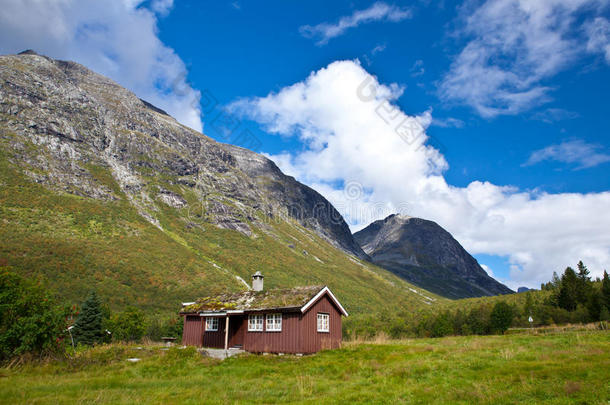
295,320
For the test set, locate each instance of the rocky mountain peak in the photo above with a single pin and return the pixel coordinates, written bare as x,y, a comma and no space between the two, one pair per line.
427,255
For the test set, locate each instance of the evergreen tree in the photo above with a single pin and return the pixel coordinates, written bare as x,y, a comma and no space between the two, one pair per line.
606,290
501,317
567,298
555,281
88,326
583,290
595,304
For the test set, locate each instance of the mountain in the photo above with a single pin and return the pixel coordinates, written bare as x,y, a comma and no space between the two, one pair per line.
101,190
426,255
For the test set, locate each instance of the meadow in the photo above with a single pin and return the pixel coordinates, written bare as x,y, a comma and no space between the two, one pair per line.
546,366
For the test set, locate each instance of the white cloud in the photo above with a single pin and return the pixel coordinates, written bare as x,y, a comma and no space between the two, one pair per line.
378,48
487,269
377,12
418,68
577,151
116,38
355,137
551,115
513,47
599,37
448,122
162,7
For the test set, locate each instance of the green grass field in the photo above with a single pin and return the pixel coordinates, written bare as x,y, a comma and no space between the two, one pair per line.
567,367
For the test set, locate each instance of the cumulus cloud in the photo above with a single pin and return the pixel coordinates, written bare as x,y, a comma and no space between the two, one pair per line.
513,46
371,159
116,38
578,152
379,11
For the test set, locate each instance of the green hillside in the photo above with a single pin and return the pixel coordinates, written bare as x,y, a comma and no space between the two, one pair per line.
78,243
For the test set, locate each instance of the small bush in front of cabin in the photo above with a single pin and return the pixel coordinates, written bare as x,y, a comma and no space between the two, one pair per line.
128,325
30,322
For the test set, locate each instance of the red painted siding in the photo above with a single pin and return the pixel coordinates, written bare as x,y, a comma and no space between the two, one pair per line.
312,340
215,339
193,330
285,341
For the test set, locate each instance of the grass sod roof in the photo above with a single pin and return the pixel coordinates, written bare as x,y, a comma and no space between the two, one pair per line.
285,298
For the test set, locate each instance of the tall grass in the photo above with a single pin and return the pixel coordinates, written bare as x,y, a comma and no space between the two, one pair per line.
566,367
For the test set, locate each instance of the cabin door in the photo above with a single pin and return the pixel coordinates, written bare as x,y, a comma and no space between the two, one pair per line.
236,331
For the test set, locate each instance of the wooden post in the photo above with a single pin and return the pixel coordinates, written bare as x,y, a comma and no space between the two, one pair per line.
227,332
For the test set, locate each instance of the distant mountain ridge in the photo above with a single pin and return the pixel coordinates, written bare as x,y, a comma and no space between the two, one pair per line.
425,254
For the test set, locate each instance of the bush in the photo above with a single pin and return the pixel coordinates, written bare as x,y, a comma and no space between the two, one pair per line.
128,325
157,329
501,317
29,320
442,325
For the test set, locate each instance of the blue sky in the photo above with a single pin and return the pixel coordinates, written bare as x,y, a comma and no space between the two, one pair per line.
235,50
507,99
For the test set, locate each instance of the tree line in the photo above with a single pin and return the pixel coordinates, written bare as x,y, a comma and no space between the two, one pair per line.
572,298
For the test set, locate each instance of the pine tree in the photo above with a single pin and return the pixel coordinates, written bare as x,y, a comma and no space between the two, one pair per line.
555,281
583,290
606,290
88,326
568,292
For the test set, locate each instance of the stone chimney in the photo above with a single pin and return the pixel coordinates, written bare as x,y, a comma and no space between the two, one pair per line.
257,281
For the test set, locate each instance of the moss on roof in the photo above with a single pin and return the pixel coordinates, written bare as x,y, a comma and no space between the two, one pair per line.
256,300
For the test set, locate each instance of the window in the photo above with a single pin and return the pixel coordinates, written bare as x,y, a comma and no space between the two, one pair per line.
274,322
323,323
255,323
211,324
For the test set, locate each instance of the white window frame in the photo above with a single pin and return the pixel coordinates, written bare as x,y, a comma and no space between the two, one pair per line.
274,322
211,324
323,322
255,323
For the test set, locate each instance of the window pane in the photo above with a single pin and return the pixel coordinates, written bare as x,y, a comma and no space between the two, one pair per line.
323,322
255,322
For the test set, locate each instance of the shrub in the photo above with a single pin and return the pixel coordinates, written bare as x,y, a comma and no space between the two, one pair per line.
157,329
501,317
29,320
128,325
442,325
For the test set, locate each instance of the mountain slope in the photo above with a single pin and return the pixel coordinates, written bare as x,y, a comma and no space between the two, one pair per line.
425,254
99,189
